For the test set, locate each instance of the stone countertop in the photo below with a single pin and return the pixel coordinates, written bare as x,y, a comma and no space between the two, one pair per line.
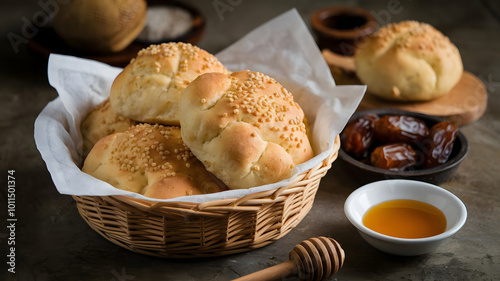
54,243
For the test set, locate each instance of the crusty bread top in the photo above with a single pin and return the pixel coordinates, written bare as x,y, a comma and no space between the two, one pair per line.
150,86
100,122
408,61
151,160
244,127
408,35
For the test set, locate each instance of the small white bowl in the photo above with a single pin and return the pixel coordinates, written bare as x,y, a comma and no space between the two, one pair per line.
367,196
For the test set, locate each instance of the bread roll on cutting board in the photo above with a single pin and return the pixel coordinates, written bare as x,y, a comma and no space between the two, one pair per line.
408,61
393,80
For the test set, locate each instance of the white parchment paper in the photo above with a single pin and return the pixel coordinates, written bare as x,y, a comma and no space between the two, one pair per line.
282,48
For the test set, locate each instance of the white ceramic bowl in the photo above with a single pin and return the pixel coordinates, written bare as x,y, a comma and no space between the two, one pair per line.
374,193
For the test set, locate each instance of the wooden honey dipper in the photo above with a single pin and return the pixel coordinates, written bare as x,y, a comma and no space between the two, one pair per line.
312,260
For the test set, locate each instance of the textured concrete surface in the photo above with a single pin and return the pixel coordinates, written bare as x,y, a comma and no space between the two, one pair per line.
54,243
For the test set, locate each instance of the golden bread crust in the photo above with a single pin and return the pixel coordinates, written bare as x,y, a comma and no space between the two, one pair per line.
151,160
150,86
409,61
100,26
245,128
100,122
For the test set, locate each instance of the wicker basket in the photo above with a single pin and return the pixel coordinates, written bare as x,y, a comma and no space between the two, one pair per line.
215,228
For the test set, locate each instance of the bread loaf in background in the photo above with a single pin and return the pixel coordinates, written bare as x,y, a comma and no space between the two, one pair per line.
100,26
151,160
150,86
408,61
244,127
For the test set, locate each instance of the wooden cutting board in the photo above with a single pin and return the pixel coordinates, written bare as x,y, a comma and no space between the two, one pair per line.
464,104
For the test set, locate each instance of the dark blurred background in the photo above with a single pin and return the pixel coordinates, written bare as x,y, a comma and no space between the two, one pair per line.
54,243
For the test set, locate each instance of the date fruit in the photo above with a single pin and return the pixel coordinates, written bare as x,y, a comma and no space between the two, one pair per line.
358,135
438,148
400,128
394,156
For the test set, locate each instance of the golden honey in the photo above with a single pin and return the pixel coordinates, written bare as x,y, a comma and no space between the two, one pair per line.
405,219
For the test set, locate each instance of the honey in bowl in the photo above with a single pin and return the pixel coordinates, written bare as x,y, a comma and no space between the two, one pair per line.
405,218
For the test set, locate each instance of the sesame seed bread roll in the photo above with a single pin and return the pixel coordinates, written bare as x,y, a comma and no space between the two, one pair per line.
100,122
150,86
151,160
409,61
244,127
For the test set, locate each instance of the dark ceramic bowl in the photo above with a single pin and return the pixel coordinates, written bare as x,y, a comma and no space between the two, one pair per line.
365,173
341,28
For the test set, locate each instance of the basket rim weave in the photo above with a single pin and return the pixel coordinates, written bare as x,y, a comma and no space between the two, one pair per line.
249,202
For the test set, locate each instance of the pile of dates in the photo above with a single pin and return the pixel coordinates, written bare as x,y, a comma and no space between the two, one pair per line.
398,142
